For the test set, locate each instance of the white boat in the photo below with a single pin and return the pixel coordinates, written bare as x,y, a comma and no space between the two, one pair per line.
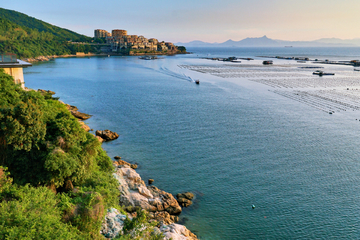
322,73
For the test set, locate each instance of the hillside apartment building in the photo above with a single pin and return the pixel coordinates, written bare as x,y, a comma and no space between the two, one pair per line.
119,39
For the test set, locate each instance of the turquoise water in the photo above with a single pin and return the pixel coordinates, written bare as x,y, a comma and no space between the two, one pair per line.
233,145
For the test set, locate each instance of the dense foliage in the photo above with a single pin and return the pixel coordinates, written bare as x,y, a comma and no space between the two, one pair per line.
29,37
31,213
181,49
43,147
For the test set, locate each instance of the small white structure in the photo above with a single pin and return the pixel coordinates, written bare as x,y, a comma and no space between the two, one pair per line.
14,67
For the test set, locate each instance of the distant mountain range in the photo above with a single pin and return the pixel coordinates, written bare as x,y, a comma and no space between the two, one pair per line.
268,42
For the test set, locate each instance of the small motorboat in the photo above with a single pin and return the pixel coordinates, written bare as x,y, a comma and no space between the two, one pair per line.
197,81
322,73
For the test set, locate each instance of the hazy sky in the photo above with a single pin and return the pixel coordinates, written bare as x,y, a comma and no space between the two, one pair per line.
205,20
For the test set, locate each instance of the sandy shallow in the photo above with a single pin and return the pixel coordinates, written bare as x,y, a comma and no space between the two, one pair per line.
293,80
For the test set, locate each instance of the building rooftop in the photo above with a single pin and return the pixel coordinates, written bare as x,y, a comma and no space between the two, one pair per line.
9,60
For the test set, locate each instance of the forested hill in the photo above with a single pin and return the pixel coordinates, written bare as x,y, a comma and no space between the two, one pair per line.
29,37
26,21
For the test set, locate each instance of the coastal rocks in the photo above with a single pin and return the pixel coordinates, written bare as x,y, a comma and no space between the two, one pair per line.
46,91
113,223
38,59
80,115
84,126
99,139
107,135
71,107
74,111
169,202
150,181
184,199
164,217
177,232
134,193
122,162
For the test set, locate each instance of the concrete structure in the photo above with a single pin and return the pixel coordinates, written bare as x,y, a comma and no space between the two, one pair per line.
118,33
14,67
99,33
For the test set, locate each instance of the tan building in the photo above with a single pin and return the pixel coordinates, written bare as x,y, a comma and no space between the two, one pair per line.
170,46
99,33
118,33
162,46
153,40
14,67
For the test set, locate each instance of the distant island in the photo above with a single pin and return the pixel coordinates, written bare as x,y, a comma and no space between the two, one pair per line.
268,42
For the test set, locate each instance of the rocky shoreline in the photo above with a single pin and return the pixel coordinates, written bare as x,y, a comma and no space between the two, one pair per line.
48,58
135,194
162,206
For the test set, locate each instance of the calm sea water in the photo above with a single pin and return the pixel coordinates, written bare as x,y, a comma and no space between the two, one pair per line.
233,145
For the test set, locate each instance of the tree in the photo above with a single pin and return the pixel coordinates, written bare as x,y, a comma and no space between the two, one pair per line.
181,49
21,125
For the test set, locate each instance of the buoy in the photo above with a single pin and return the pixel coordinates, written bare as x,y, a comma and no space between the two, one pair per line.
253,206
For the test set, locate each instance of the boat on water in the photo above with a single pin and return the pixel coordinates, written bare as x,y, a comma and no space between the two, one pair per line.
357,69
267,62
148,57
322,73
197,81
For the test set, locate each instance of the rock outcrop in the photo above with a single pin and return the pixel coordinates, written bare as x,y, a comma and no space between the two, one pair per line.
134,193
177,232
99,139
184,199
113,223
71,107
84,126
80,115
107,135
74,111
46,91
122,162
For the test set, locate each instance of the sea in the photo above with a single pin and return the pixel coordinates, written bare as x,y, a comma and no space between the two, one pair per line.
261,166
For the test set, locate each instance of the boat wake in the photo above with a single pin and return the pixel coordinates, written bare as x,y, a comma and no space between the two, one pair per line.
169,72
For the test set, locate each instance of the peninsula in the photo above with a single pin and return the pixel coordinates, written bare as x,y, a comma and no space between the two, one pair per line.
118,41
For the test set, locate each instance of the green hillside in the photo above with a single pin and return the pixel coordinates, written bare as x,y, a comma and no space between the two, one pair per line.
26,21
29,37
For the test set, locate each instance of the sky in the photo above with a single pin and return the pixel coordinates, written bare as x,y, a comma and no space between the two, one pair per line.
204,20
